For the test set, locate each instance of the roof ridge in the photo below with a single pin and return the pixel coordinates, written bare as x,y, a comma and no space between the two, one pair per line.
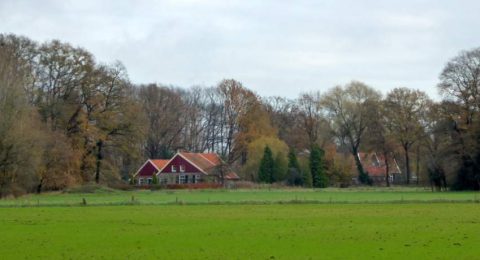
208,160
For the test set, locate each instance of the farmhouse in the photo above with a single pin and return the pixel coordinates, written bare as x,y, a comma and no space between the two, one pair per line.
374,164
185,168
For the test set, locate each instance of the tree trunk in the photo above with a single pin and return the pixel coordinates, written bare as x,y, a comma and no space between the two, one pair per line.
417,166
99,161
357,162
39,186
407,163
387,169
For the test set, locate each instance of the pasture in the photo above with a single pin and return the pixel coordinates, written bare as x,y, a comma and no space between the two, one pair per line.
105,196
245,224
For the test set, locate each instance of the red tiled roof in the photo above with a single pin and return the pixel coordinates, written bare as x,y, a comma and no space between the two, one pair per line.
159,163
212,157
232,176
200,161
208,162
374,164
375,170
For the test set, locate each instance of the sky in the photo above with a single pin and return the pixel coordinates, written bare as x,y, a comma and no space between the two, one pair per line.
276,48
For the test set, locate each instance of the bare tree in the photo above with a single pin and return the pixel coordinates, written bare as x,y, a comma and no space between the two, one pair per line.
236,101
460,81
405,117
165,112
350,109
312,119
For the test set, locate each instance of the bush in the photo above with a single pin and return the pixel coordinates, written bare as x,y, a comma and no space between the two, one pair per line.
12,190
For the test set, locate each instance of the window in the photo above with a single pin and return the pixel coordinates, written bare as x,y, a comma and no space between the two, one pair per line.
174,168
195,178
140,181
182,168
149,181
182,179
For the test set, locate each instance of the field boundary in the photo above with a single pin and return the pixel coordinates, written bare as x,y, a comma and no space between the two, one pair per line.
85,203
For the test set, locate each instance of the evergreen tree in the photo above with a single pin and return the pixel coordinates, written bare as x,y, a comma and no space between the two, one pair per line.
317,168
294,173
267,166
280,167
292,160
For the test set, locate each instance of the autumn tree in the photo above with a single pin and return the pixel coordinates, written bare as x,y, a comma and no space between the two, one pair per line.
164,109
349,109
459,83
19,151
405,118
284,117
441,152
236,101
118,119
253,124
256,151
380,138
312,119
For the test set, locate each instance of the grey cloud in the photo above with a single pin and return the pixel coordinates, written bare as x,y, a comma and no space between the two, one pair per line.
273,47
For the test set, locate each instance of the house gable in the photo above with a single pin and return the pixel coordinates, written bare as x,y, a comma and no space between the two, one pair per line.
147,169
177,161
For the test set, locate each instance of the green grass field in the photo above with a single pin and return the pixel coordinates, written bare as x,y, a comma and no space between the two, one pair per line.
330,195
248,224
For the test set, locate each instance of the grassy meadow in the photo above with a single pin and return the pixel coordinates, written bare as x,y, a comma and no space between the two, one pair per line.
107,196
242,224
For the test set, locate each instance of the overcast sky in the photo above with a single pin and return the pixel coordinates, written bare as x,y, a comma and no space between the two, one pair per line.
273,47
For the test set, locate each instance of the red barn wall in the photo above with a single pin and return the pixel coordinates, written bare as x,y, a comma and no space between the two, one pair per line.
147,170
177,161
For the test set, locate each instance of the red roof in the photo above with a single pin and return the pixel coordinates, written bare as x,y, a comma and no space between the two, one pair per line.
204,161
212,157
159,163
207,162
376,170
232,176
374,164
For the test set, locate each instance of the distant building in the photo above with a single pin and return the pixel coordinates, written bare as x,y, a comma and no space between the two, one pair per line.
185,168
374,164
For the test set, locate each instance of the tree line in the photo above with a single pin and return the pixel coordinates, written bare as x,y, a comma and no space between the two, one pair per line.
67,119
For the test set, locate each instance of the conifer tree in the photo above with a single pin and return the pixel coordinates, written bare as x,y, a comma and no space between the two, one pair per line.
294,174
267,166
317,168
280,167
